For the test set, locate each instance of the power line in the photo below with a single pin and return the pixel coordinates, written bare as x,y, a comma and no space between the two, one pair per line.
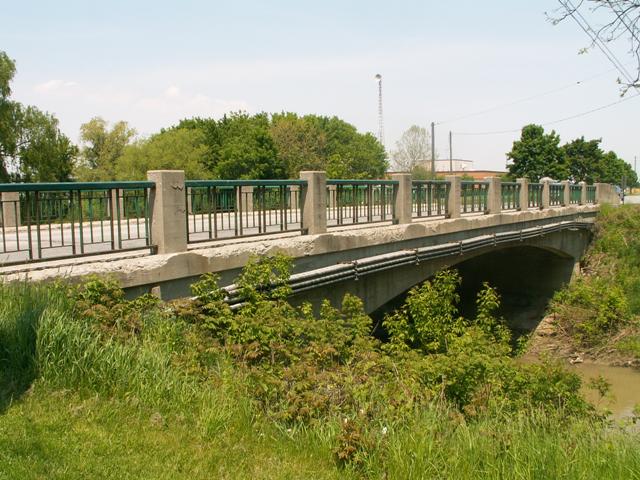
553,122
526,99
575,14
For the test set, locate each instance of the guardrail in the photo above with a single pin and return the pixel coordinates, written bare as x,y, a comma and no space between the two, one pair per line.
241,208
351,202
474,197
556,194
510,195
43,221
61,220
429,198
535,195
575,194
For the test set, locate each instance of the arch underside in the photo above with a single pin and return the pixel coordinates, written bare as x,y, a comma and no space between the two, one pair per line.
526,275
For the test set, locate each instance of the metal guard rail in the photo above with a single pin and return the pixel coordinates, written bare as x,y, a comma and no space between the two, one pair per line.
49,221
332,274
360,201
219,209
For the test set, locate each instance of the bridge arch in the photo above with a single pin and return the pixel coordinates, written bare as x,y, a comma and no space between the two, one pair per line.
526,273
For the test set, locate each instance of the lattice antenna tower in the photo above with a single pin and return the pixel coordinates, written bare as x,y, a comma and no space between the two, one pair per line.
378,78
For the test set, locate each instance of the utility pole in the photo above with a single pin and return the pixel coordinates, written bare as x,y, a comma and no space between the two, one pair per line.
450,153
433,148
378,78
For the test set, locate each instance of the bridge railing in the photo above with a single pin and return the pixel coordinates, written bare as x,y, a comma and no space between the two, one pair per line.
474,197
43,221
429,198
168,214
241,208
351,202
510,195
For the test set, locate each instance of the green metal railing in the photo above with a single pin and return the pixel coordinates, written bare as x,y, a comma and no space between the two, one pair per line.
535,195
42,221
219,209
429,198
556,194
591,194
510,195
360,201
575,194
474,197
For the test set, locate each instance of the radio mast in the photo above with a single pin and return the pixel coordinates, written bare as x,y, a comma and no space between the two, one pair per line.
378,78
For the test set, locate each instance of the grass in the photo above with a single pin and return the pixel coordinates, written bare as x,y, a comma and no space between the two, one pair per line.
143,394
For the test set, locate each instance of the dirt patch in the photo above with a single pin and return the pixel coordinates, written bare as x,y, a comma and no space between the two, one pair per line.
550,340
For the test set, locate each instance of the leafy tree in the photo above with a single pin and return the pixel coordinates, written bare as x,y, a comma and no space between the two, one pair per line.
583,159
182,149
300,143
537,155
613,169
412,150
350,154
101,149
45,154
32,148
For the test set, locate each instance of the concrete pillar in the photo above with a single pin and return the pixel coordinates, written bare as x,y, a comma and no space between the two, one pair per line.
606,193
10,209
313,200
402,198
168,211
494,195
566,193
546,192
246,192
524,193
117,200
583,193
455,191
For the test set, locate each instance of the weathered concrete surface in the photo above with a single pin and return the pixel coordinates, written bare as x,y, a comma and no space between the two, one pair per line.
174,272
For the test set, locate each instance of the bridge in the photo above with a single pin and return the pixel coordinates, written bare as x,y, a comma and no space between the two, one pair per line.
373,238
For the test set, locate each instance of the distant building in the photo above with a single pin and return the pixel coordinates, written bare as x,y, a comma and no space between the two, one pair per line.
458,166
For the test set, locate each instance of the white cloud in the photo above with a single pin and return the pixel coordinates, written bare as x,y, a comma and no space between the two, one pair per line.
54,85
172,92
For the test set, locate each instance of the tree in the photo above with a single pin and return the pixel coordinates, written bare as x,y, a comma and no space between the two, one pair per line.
181,149
613,169
583,159
45,154
300,144
537,155
32,147
622,19
101,149
412,150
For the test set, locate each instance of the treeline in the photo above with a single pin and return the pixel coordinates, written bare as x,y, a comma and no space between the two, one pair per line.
538,154
236,146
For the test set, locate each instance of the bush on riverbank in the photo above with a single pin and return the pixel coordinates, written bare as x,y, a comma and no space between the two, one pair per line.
285,383
602,306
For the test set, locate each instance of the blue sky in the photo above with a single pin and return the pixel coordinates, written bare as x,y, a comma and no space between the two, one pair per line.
153,63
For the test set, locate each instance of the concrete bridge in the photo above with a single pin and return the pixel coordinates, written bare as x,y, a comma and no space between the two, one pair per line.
375,239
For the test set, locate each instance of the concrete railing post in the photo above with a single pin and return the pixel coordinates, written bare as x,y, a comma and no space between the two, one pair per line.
168,211
583,193
566,193
455,191
402,198
524,193
10,209
606,193
313,200
246,194
546,192
494,195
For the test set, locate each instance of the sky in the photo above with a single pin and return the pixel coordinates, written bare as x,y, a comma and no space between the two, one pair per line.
152,63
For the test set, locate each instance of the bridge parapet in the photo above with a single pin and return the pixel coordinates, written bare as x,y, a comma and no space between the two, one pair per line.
164,215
